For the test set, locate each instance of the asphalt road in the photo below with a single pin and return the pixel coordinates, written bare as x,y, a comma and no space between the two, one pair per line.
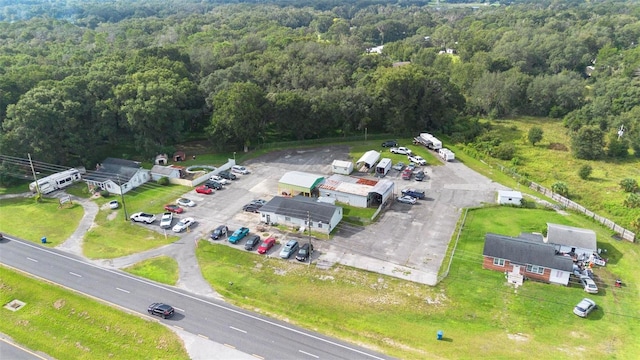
234,327
9,350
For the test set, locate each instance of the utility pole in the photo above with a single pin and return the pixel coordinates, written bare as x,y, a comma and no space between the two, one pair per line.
124,205
35,178
309,232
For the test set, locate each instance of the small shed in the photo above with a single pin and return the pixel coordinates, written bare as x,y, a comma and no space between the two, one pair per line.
342,167
508,197
161,159
179,156
368,160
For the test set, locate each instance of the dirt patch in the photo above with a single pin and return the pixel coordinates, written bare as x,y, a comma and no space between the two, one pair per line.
518,337
112,215
59,304
558,146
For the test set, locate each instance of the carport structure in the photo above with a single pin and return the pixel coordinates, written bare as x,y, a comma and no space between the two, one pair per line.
299,183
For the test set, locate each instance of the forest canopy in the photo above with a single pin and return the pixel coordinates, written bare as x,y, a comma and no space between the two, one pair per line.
81,77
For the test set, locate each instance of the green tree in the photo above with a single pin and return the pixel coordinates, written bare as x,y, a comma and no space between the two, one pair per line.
535,135
617,148
504,151
629,185
632,201
585,171
588,143
560,188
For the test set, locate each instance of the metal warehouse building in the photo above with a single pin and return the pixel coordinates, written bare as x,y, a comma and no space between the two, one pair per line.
298,210
296,182
359,192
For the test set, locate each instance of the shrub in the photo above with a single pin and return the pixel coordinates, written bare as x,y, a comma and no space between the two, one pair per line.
105,193
629,185
632,201
560,188
163,181
535,135
585,172
504,151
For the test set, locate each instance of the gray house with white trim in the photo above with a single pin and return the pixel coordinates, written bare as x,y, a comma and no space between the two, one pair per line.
295,211
117,176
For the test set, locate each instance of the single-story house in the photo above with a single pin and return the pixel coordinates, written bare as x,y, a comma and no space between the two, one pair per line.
355,191
572,240
159,171
297,182
509,197
342,167
368,160
527,255
117,176
297,210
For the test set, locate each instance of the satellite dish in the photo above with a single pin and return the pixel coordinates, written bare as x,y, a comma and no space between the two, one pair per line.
620,131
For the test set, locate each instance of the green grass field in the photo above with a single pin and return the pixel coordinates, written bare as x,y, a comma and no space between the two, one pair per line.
162,269
66,325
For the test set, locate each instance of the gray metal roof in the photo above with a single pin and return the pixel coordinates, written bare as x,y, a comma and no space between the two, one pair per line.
571,236
298,207
163,170
116,170
523,251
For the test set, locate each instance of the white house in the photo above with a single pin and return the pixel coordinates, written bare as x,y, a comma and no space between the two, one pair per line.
509,197
355,191
368,160
342,167
159,171
569,239
117,176
296,211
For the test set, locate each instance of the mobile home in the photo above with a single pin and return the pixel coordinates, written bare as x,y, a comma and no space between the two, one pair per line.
446,154
56,181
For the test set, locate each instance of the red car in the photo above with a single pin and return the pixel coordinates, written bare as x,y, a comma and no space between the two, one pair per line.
203,190
266,245
174,208
406,174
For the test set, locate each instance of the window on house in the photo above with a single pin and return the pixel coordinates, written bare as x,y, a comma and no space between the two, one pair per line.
287,219
320,225
535,269
498,261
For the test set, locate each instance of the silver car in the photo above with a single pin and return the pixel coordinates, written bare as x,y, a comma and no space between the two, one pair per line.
289,248
588,284
584,307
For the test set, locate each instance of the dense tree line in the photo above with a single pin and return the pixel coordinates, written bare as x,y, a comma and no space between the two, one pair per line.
80,78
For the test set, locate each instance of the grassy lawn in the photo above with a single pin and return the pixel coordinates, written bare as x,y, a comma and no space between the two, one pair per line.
16,189
66,325
477,311
163,269
31,220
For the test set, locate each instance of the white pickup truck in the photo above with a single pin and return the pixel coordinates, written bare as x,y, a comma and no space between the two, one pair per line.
166,220
401,150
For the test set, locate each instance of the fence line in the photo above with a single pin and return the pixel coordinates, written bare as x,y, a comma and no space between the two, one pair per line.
455,245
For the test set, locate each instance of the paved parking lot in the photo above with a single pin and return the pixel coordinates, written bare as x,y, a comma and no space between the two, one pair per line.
407,241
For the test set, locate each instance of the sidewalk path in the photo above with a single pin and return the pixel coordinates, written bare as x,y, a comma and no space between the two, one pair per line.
74,243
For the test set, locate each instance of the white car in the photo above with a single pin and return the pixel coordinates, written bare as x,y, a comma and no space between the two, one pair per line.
183,224
589,285
239,169
219,179
401,150
185,202
143,217
584,307
166,220
114,204
417,159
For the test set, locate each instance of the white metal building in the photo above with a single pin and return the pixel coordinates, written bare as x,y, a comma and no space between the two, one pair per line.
298,210
508,197
342,167
359,192
368,160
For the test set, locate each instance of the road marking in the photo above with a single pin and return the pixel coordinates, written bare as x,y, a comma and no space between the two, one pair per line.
258,356
34,260
178,309
178,327
236,329
123,290
231,346
306,353
195,298
203,336
22,348
74,274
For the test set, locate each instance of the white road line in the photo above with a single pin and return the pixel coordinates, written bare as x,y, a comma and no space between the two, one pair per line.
192,297
123,290
231,346
258,356
236,329
21,348
203,336
178,327
74,274
178,309
306,353
34,260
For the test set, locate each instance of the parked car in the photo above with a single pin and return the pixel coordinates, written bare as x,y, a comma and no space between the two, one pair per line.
588,284
174,208
417,159
114,204
227,175
160,309
399,166
212,184
411,166
289,248
219,232
407,199
219,179
584,307
203,189
420,175
406,174
238,235
252,241
166,220
389,143
251,208
266,245
401,150
239,169
185,202
418,194
305,251
143,217
258,202
184,224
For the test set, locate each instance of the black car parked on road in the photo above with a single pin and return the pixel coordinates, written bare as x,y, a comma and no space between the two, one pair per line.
160,309
305,251
252,242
